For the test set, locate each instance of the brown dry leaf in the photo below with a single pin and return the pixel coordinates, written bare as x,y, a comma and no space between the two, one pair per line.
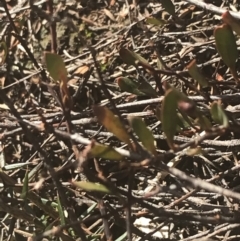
109,14
82,70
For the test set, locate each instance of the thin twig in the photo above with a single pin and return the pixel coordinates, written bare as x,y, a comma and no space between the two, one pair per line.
212,8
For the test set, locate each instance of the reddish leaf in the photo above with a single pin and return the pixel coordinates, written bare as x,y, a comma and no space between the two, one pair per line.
230,20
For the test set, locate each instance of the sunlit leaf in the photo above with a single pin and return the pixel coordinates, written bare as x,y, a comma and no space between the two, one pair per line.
140,89
218,114
131,58
169,7
147,89
196,74
227,47
55,66
230,20
92,187
58,72
144,134
106,152
155,21
111,123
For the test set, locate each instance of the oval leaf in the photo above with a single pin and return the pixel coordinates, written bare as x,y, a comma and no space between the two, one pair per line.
169,7
128,85
111,123
155,21
174,100
55,66
196,74
139,89
92,187
218,114
132,58
169,116
226,45
143,133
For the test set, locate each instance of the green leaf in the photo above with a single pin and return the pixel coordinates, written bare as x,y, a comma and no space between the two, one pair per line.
128,85
143,133
111,123
169,7
140,89
226,46
155,21
58,72
132,58
196,74
106,152
174,100
92,187
60,211
169,116
203,121
182,121
233,22
55,67
147,89
218,114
